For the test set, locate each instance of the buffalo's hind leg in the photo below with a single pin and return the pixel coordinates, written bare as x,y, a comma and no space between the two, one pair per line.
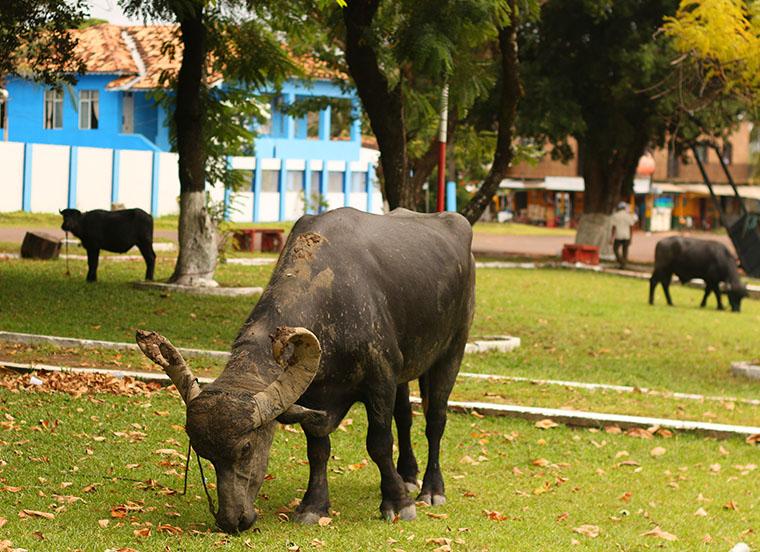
316,501
652,287
146,249
435,387
407,464
380,407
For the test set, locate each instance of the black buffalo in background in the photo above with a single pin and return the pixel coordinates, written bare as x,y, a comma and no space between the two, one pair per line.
115,231
689,258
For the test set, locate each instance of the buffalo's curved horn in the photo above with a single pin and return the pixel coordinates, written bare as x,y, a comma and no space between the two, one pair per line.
300,370
158,349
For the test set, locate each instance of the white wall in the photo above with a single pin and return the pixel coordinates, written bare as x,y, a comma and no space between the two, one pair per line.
50,182
358,200
377,203
50,178
12,183
270,207
293,205
336,200
94,178
135,173
241,207
168,184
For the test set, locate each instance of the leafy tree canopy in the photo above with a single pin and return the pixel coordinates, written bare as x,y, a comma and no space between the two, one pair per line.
34,39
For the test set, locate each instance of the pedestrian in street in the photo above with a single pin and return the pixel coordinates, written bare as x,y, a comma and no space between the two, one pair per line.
622,230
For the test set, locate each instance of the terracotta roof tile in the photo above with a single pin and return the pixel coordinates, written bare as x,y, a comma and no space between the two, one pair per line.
105,49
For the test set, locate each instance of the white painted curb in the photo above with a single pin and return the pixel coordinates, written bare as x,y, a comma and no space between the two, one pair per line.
200,290
501,343
568,417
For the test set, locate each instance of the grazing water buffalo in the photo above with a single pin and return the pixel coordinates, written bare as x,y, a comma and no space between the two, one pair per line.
689,258
116,231
386,300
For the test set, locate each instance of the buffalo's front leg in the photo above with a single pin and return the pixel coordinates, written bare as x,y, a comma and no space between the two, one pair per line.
652,287
316,501
380,406
708,289
92,264
407,463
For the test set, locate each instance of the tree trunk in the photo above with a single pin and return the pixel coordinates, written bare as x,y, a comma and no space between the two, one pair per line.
384,105
605,174
511,91
196,261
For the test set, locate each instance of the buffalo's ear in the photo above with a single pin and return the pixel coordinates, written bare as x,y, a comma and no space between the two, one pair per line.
298,414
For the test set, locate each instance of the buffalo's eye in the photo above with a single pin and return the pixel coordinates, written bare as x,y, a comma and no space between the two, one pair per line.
246,448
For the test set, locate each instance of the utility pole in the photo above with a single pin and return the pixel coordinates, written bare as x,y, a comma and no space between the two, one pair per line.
442,148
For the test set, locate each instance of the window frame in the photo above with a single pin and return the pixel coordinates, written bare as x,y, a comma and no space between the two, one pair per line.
89,105
52,108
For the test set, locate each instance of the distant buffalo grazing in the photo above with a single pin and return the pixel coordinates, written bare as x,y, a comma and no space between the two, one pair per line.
689,258
115,231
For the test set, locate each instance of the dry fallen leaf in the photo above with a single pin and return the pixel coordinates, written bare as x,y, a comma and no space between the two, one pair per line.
437,516
166,528
144,532
659,533
626,496
36,513
546,423
495,516
753,439
591,531
701,512
324,521
3,521
657,451
104,523
730,505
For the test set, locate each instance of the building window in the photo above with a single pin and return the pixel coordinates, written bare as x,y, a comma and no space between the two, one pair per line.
89,111
270,181
334,182
728,153
358,182
340,120
312,125
53,118
295,181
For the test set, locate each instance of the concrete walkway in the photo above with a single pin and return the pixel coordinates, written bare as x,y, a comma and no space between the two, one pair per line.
642,245
641,251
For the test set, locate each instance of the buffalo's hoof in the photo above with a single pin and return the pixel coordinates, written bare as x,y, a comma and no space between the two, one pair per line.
411,487
308,518
407,513
432,499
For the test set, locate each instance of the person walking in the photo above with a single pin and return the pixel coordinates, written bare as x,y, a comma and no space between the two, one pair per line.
622,230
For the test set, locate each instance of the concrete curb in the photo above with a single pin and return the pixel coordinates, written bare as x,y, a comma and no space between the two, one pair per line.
610,387
34,339
746,370
568,417
498,343
200,290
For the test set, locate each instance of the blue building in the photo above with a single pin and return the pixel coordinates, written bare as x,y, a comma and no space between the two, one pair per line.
112,106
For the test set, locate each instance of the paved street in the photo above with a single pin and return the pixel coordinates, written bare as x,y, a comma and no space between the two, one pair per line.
642,246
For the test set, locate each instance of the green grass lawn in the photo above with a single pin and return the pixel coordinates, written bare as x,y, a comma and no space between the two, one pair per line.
573,325
77,460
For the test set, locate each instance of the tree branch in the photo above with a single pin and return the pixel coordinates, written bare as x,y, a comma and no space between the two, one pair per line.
511,91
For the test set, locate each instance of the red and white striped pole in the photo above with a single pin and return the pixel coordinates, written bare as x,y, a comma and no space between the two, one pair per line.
442,148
